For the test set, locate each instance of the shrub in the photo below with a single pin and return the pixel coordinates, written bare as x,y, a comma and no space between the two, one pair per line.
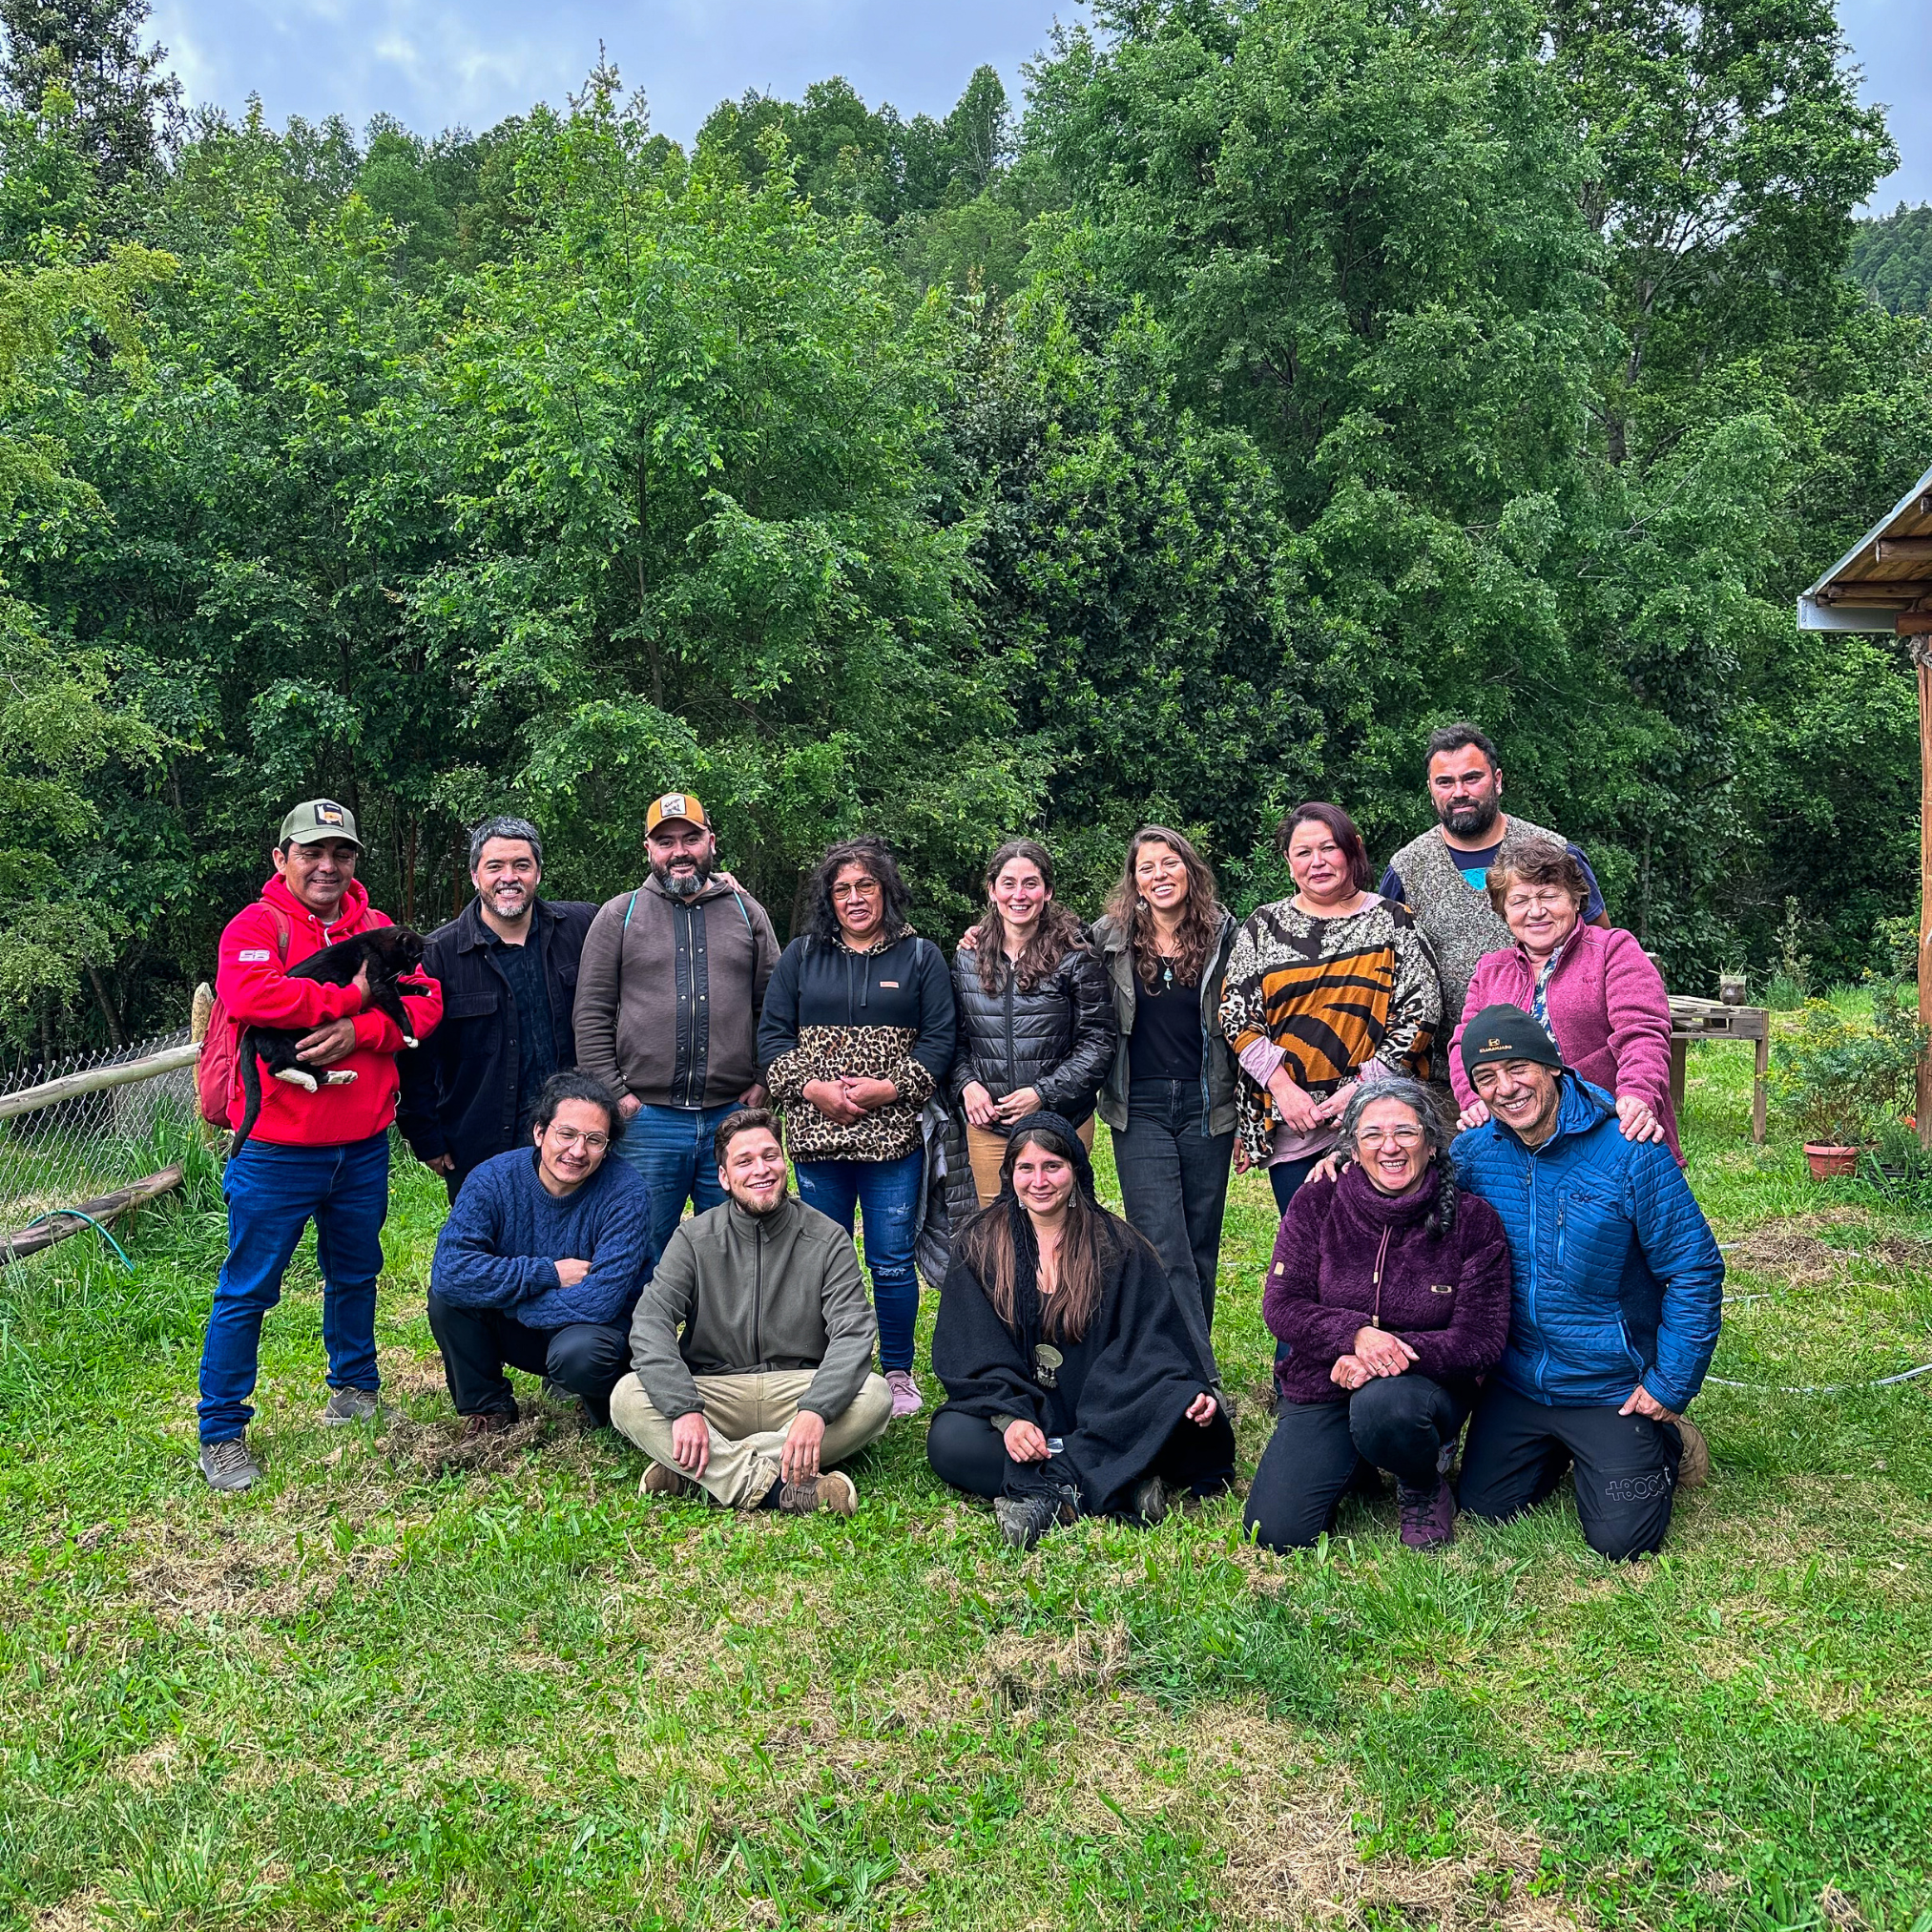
1839,1077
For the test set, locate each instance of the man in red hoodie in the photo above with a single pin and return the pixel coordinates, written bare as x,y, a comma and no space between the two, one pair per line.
321,1156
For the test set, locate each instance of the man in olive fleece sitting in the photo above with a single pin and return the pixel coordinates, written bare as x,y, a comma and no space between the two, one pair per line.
752,1346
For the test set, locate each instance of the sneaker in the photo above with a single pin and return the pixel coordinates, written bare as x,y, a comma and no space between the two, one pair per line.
1024,1520
661,1479
228,1465
346,1406
487,1422
1428,1516
1693,1465
907,1399
1152,1500
834,1490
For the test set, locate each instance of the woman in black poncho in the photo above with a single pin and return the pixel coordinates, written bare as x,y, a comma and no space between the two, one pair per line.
1077,1382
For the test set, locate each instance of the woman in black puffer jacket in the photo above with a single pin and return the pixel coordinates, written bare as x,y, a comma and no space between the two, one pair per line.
1036,1026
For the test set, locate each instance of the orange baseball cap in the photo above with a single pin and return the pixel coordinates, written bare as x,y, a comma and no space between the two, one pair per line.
676,805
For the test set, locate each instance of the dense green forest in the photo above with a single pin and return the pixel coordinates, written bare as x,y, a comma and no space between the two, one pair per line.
1892,259
1279,378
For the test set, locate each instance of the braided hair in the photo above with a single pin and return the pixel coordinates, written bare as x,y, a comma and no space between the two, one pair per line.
1436,1133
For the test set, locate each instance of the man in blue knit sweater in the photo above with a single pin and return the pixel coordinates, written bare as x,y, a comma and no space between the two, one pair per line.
541,1260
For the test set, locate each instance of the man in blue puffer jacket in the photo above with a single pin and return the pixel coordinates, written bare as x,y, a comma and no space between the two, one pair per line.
541,1261
1616,1292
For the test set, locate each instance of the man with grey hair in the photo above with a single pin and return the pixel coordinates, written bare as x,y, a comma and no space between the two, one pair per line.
509,966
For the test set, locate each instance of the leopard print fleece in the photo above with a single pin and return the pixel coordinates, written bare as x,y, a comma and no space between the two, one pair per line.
865,1052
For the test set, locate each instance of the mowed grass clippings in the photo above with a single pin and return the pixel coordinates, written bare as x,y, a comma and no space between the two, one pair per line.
409,1682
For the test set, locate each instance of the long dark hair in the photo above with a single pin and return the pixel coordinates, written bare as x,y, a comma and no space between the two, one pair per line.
1200,923
874,857
1347,837
1054,937
1090,1243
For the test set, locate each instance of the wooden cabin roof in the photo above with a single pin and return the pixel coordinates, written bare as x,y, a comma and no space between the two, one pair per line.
1887,571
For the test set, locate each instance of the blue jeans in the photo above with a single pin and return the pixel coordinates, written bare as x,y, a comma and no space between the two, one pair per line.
273,1194
887,1192
671,1148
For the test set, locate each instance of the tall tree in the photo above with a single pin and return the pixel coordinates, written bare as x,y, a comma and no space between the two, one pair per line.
690,424
127,104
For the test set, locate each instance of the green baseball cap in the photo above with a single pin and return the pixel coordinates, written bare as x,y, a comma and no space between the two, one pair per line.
316,820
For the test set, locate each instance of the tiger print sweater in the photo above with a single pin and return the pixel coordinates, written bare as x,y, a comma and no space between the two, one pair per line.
1332,994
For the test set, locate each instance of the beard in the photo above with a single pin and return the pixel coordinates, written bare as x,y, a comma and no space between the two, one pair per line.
683,885
1469,818
771,1206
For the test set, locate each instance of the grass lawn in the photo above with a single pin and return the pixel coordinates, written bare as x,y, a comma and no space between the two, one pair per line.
385,1689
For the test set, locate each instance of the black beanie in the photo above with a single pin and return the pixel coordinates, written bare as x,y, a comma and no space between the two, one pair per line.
1061,1128
1507,1033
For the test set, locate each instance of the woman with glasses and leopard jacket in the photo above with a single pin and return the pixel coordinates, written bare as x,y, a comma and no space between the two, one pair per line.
857,1034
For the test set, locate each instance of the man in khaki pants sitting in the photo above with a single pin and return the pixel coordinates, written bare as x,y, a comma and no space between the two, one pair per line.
752,1346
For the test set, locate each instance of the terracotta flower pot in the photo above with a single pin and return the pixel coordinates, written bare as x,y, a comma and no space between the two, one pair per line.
1826,1161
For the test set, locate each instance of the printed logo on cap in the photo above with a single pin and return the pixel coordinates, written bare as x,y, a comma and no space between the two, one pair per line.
326,814
673,805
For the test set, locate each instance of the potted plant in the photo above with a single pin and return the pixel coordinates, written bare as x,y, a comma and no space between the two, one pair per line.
1839,1075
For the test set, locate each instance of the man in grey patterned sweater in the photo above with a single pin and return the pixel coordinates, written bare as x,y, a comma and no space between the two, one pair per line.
1439,876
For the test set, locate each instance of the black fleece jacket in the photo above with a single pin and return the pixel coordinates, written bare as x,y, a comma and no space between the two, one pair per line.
887,1015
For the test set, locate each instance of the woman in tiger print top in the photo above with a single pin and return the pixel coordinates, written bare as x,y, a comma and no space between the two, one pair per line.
857,1034
1325,990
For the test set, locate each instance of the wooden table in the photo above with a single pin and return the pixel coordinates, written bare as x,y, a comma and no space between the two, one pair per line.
1712,1020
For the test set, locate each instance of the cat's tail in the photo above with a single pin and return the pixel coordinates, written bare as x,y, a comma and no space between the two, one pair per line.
249,1067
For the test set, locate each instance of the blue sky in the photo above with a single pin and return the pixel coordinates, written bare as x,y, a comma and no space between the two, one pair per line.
434,63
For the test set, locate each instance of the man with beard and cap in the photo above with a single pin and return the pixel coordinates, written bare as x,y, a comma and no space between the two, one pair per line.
1443,876
507,966
1616,1293
669,993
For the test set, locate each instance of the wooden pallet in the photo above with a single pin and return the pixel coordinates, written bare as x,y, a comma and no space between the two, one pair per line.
1712,1020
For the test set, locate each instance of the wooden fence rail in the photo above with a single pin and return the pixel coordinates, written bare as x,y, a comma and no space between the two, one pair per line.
96,1213
97,1079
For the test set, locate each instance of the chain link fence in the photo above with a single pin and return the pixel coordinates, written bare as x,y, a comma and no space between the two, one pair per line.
62,1150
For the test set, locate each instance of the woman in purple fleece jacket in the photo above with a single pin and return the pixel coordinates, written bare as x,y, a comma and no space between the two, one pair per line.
1390,1289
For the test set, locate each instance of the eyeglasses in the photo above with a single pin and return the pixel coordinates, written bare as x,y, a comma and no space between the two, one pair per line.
1387,1136
571,1136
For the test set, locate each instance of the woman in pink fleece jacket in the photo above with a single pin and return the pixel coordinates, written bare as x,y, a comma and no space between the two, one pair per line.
1597,993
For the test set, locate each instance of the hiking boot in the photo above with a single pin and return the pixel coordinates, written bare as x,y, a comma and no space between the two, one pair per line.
1024,1520
1152,1500
1428,1516
347,1405
1693,1465
661,1479
834,1490
228,1465
907,1399
487,1423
